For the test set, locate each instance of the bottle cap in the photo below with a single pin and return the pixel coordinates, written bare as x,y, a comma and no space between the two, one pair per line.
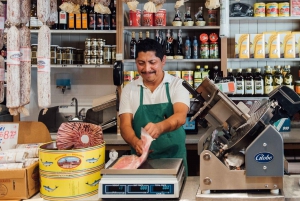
203,37
198,67
213,37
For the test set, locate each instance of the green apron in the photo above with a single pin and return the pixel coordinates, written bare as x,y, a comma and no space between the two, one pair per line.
167,145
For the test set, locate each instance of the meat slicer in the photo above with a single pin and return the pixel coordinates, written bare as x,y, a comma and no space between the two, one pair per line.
236,133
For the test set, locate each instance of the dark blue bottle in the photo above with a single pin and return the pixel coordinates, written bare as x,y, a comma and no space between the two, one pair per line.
187,48
195,48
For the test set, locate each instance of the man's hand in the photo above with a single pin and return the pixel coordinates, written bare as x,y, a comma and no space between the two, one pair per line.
154,130
138,146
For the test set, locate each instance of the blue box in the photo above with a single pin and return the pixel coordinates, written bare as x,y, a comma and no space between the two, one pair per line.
283,125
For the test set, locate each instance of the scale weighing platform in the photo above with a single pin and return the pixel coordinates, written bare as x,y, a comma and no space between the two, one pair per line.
156,178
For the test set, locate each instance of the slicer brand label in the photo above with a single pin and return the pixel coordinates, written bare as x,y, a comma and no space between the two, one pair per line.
264,157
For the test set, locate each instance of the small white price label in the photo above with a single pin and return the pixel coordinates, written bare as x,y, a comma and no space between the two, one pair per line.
8,136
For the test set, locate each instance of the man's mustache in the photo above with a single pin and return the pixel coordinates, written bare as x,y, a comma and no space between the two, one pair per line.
148,72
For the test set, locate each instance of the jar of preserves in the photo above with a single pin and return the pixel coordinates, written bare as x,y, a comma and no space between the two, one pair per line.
59,55
68,55
113,53
214,50
107,54
204,50
297,87
53,49
87,43
34,53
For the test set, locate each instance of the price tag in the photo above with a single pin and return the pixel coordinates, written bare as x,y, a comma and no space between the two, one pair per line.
8,136
119,56
64,65
97,66
79,66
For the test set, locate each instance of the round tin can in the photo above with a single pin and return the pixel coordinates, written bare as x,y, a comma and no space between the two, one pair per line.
88,43
272,9
175,73
94,44
93,60
160,18
284,9
212,17
259,9
135,18
148,18
128,77
87,59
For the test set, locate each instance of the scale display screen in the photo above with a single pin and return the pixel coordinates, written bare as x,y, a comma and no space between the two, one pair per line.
138,188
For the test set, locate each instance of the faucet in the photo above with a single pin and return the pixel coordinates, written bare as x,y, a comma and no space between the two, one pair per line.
76,106
80,115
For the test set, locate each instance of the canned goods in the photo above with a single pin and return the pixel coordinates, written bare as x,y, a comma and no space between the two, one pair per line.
259,9
135,18
136,75
272,9
212,17
34,53
93,60
284,9
94,44
160,18
128,77
204,50
87,59
59,55
88,43
53,49
107,54
100,43
94,52
68,55
148,18
113,53
175,73
189,77
297,87
214,50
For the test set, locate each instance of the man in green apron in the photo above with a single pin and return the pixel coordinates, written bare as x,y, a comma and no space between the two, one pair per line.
156,101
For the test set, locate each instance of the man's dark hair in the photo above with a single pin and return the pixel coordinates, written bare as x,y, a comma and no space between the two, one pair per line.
150,45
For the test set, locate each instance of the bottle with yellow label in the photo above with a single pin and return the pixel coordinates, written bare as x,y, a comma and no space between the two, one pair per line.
268,78
198,76
278,77
288,77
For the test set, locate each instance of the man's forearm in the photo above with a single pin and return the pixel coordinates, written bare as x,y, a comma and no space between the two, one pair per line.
129,136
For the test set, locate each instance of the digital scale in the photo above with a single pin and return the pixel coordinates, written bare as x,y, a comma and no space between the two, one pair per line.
156,178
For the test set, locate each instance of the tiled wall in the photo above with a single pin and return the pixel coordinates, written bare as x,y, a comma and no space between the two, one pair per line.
86,85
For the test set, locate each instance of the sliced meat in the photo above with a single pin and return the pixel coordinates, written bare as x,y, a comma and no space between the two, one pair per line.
133,161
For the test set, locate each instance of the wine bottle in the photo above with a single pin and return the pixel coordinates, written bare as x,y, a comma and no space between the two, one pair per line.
63,18
132,46
92,18
113,20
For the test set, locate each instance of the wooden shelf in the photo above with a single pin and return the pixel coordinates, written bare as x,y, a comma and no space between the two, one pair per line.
77,66
78,31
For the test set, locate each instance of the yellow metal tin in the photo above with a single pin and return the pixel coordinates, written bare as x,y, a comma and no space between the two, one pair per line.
284,9
272,9
75,161
259,9
128,77
69,187
175,73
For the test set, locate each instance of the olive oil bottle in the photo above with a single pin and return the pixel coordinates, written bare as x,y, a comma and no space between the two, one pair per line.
268,78
288,77
278,77
258,83
249,83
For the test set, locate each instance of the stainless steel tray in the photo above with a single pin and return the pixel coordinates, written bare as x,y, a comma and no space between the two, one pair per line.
166,166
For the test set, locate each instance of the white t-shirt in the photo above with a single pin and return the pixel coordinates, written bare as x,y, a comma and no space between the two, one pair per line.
130,96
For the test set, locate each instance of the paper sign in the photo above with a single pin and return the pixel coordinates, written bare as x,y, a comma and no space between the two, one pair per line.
8,136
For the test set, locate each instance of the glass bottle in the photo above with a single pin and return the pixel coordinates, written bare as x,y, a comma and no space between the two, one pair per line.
177,15
132,46
205,73
92,18
258,83
249,84
288,78
278,77
140,37
195,48
63,18
56,23
215,74
187,48
199,15
268,78
71,21
239,83
179,43
230,75
33,17
197,76
84,15
113,20
147,35
99,21
188,16
169,44
78,20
